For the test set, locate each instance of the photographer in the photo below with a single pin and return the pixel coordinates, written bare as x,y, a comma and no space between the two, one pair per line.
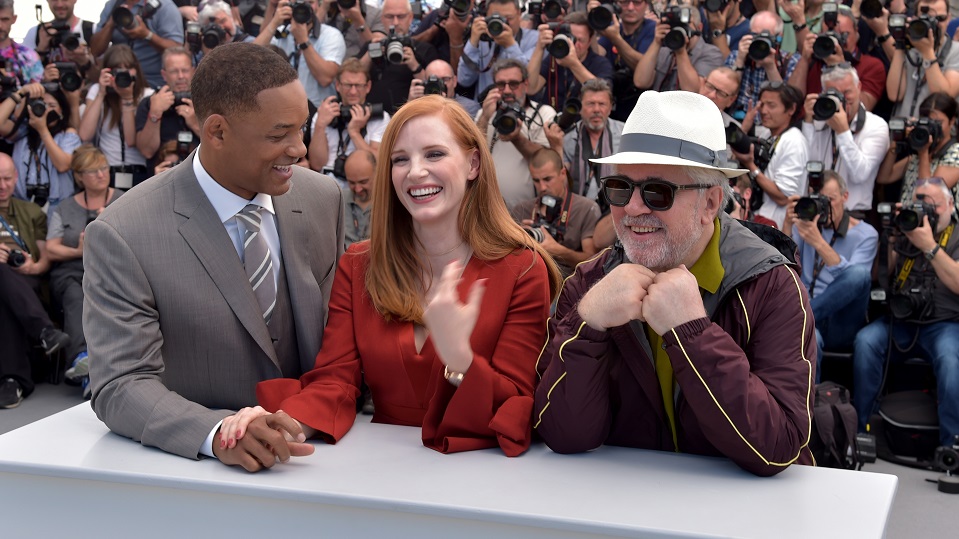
483,49
560,220
64,39
356,22
924,301
23,62
168,114
836,252
216,19
336,133
935,154
851,141
23,259
843,48
739,206
558,76
624,42
507,105
724,28
930,65
446,30
392,76
153,26
109,118
762,62
595,135
678,59
360,169
785,172
315,49
439,74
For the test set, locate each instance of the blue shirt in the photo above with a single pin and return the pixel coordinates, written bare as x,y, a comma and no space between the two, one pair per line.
857,246
166,23
476,62
640,40
561,83
754,77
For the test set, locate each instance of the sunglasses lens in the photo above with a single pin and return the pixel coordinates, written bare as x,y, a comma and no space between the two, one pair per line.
657,196
618,191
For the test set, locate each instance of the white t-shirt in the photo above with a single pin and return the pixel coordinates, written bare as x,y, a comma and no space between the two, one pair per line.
787,169
374,133
108,138
329,45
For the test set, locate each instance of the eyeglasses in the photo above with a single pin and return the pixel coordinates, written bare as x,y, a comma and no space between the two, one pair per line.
719,93
772,85
95,171
446,80
636,3
513,84
935,180
840,65
353,86
658,195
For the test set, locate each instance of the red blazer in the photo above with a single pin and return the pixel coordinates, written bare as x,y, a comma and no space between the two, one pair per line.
493,405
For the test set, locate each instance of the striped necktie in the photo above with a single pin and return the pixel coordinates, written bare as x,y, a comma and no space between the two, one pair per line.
258,261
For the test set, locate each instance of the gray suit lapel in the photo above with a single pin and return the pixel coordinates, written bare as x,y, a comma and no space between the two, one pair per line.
204,233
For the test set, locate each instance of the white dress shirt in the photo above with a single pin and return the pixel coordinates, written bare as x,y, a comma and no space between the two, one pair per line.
787,169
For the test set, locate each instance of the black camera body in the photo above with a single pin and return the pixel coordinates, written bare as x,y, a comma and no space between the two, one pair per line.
871,9
678,19
38,193
70,79
897,29
194,36
764,43
946,458
124,18
16,258
825,44
496,24
920,27
545,10
8,86
346,115
909,216
37,106
302,11
913,303
601,17
508,117
570,114
178,98
459,8
393,46
737,139
925,132
828,104
715,6
434,86
123,78
553,208
563,41
63,36
762,152
816,204
213,35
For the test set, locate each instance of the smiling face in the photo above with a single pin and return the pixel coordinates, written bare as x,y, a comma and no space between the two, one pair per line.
661,240
255,150
429,171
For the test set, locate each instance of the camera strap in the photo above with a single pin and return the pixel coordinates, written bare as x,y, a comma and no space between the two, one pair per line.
14,235
560,227
911,261
123,142
818,262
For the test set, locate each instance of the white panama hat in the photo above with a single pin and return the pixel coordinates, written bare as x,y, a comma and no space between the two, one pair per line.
673,128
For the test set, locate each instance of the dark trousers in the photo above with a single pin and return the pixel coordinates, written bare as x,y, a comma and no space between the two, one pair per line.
22,318
68,290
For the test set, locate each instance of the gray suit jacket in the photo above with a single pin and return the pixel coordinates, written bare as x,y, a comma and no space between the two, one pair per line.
174,332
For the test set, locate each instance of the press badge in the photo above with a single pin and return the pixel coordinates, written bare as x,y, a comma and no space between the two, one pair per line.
123,180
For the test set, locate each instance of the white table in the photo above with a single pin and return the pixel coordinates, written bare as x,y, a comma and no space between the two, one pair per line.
67,474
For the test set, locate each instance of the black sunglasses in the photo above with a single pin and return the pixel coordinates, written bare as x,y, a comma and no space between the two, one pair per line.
658,195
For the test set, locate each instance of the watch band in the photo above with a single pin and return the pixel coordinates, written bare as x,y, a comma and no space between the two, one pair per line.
149,36
303,46
882,39
931,253
717,32
799,27
753,174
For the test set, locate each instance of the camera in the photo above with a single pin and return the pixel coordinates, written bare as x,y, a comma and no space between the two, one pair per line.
496,24
507,118
213,35
548,10
871,9
346,4
302,11
193,36
808,207
830,14
825,44
122,77
897,128
947,458
553,208
570,114
677,17
178,98
563,41
184,143
910,216
38,193
914,303
434,86
828,104
70,79
762,46
393,46
63,36
737,139
601,17
920,27
16,258
762,152
460,8
124,18
897,29
924,129
37,106
346,115
8,85
339,166
715,6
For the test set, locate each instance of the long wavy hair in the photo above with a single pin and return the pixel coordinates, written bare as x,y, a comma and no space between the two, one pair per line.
395,276
121,55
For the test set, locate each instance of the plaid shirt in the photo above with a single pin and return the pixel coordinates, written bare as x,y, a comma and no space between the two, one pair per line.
754,77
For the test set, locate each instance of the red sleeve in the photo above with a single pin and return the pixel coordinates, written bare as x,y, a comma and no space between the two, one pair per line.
872,75
325,397
494,403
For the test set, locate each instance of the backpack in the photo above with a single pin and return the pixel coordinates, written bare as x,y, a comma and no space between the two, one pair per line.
907,428
833,439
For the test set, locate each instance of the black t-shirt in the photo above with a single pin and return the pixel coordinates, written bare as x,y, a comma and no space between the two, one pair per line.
171,124
391,82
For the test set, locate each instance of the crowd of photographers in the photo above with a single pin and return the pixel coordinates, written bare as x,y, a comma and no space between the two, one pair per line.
843,114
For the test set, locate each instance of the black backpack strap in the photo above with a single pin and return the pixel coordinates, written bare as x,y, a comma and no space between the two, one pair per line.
825,420
847,414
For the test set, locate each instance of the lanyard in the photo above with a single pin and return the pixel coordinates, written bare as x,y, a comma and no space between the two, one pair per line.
819,263
910,262
14,235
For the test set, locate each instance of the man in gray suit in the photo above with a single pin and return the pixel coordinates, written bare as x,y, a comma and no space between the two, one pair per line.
215,275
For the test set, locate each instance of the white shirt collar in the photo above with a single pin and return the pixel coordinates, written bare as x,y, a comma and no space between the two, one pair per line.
226,203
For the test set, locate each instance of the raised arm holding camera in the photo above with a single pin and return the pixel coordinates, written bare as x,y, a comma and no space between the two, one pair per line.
148,26
441,80
924,303
836,253
844,135
760,59
65,38
678,59
928,143
168,114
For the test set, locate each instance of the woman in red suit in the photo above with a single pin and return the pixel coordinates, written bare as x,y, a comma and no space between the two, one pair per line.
443,310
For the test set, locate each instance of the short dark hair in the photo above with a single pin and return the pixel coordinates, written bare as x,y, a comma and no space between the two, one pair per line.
223,83
580,18
788,94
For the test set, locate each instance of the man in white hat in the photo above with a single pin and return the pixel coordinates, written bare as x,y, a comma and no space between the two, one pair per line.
691,334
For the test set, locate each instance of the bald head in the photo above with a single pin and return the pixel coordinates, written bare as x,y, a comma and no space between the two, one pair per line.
8,179
442,70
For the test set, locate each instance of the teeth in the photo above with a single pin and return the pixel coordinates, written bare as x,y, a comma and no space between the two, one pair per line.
282,169
425,191
642,229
